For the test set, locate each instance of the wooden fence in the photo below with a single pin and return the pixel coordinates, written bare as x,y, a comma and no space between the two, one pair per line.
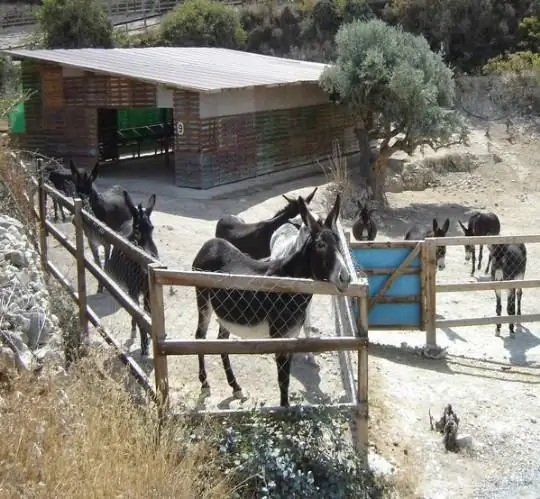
355,337
403,289
434,323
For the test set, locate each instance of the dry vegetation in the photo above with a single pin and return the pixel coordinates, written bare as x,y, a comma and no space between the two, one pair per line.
79,435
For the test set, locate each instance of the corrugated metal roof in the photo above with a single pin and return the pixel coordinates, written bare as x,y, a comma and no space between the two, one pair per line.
202,69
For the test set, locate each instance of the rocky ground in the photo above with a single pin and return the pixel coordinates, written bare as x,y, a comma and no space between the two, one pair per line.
28,330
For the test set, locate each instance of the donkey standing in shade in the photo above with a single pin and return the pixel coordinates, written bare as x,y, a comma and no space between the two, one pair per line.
108,207
254,238
508,263
417,234
268,314
132,275
364,228
480,224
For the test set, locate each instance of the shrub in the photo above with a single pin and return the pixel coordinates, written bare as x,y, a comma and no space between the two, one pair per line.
74,24
203,23
399,91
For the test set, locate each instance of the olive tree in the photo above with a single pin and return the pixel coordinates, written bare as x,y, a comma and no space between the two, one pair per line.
73,24
399,92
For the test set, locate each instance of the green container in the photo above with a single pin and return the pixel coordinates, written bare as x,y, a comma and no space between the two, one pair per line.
16,119
137,117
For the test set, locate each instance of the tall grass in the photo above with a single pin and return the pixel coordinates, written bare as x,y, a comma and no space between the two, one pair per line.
79,435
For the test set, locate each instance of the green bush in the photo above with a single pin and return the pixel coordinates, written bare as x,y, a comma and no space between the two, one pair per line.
202,23
74,24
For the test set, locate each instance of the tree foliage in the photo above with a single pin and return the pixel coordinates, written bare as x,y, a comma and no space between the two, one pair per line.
399,91
204,23
469,32
74,24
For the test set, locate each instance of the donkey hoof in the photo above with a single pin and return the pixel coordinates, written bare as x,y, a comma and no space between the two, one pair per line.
205,392
238,394
497,332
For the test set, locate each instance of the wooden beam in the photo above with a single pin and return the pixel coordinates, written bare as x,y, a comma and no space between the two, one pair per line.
389,271
483,321
397,272
475,240
260,347
255,283
487,285
383,244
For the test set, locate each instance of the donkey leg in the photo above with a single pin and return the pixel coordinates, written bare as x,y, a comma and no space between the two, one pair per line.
283,362
95,254
55,208
205,313
519,294
511,309
498,308
310,357
473,260
480,257
223,334
489,260
143,331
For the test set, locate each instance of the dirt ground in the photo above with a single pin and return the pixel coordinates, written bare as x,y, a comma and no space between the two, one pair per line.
491,382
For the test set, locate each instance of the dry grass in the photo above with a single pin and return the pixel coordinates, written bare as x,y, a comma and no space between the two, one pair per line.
79,436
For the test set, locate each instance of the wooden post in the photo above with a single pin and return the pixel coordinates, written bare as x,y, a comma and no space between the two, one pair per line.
430,303
81,274
158,335
42,210
362,413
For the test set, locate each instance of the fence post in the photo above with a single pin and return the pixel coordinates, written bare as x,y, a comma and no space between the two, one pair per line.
158,335
81,273
429,263
362,410
42,210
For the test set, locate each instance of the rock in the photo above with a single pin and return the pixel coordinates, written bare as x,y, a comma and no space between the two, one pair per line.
7,358
17,258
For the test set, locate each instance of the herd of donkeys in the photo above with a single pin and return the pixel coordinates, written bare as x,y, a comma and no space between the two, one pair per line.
293,243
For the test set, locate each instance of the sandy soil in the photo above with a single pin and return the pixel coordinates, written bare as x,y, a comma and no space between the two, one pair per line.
491,382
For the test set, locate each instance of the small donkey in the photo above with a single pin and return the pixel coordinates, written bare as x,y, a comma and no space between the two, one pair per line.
364,228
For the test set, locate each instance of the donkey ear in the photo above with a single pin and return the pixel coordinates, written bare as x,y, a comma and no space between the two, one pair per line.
94,172
129,203
446,225
435,225
287,199
73,169
308,219
331,219
150,204
310,197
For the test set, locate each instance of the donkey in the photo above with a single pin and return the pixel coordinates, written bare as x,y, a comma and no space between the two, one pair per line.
508,263
130,274
480,224
254,238
109,207
282,243
365,228
258,313
61,179
417,233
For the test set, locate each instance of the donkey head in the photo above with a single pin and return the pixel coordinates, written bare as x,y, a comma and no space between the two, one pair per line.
83,180
293,208
441,250
324,254
469,248
142,228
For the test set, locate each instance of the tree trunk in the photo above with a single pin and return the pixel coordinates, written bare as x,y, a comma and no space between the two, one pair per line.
370,174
